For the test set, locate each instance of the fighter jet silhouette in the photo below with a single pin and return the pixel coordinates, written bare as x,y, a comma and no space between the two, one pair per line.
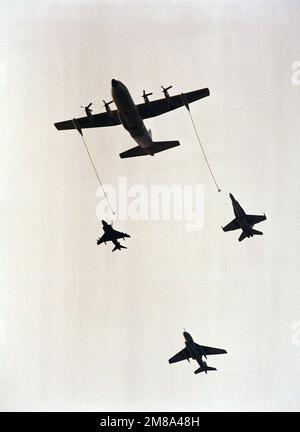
196,352
112,235
243,221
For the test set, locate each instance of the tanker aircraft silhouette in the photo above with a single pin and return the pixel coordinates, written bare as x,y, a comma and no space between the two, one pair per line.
243,221
196,352
131,116
112,235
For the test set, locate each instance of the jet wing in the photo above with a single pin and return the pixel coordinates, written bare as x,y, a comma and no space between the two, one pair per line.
98,120
161,106
211,351
233,225
114,235
182,355
103,239
253,219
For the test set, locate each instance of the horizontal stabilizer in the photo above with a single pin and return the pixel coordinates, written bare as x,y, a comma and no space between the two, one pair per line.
157,147
133,152
242,236
206,369
160,146
253,232
119,247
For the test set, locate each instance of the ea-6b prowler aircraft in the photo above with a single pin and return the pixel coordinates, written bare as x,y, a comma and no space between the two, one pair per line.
112,235
243,221
131,116
196,352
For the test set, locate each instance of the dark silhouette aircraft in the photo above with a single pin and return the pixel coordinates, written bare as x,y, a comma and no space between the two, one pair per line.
243,221
112,235
131,116
196,352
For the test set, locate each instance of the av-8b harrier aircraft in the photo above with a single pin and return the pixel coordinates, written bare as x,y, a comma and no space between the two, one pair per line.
112,235
131,116
196,352
243,221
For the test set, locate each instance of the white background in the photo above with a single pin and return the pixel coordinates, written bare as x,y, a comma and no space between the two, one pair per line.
85,329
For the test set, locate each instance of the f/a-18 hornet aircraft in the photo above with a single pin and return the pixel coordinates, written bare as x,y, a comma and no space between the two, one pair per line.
196,352
131,116
112,235
243,221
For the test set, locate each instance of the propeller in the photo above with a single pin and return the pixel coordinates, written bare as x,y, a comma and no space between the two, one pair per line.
87,108
106,105
145,96
165,90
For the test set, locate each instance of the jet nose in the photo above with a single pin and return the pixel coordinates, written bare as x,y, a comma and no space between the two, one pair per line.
231,196
114,83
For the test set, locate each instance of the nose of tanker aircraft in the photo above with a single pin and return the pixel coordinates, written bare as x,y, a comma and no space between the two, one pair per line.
114,83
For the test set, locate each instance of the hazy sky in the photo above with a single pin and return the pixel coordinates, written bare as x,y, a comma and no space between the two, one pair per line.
84,329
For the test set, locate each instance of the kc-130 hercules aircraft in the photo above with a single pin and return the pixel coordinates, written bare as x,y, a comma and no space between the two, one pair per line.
131,116
243,221
112,235
196,352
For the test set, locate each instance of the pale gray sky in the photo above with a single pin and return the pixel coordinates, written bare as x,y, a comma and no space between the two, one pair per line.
84,329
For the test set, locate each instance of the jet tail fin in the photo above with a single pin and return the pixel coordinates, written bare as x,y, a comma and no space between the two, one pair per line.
205,369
